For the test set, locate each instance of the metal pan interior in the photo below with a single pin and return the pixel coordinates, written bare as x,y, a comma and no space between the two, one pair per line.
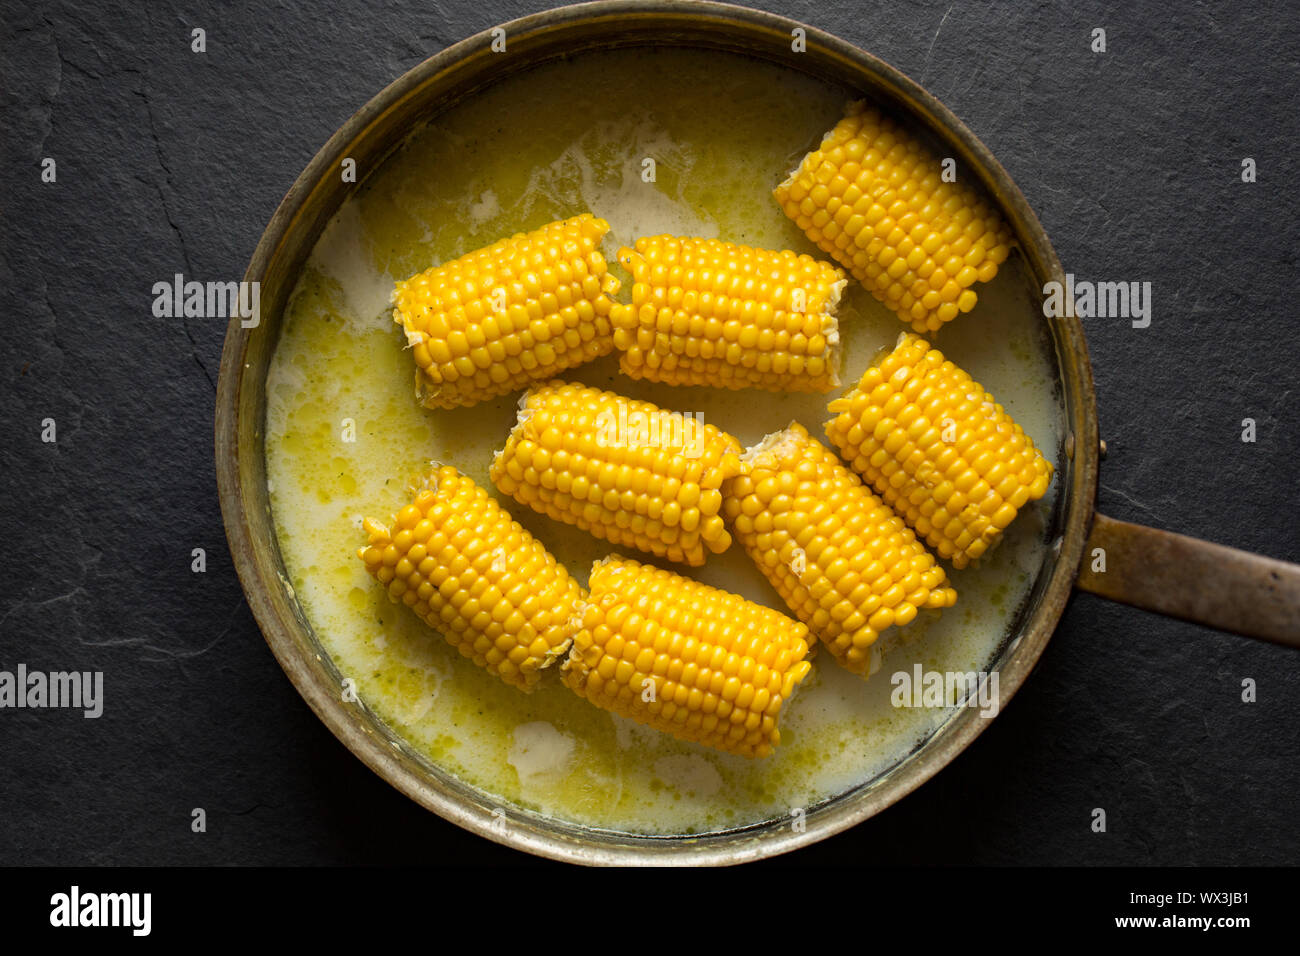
466,82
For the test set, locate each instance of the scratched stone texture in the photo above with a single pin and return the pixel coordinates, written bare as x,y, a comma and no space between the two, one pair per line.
169,161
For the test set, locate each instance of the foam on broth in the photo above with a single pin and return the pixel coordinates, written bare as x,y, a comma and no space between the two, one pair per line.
508,160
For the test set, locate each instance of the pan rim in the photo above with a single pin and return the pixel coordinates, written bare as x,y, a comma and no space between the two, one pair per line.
384,754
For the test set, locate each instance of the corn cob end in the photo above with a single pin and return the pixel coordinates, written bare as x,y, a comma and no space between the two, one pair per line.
843,562
521,309
469,571
939,449
626,471
708,312
875,198
691,660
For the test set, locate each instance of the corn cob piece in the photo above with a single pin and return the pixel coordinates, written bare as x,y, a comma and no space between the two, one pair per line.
706,312
626,471
519,310
873,197
938,449
844,563
456,558
694,661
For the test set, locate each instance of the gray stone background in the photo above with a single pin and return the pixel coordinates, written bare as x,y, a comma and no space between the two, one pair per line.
171,161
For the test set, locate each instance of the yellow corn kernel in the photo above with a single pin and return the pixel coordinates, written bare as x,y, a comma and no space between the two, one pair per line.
706,312
456,558
840,558
938,449
873,197
626,471
694,661
514,312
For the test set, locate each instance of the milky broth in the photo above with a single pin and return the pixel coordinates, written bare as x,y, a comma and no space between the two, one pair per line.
723,130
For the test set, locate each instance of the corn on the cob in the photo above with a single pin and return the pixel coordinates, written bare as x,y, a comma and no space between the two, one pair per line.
457,559
938,449
516,311
706,312
873,197
840,558
626,471
697,662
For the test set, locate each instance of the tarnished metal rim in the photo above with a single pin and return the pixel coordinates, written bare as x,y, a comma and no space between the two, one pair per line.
239,443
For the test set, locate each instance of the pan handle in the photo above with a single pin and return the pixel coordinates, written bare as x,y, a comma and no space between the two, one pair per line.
1193,580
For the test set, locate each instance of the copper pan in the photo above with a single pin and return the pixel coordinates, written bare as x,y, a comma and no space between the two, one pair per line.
1156,570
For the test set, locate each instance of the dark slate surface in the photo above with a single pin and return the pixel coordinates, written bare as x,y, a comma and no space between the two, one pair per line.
171,161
